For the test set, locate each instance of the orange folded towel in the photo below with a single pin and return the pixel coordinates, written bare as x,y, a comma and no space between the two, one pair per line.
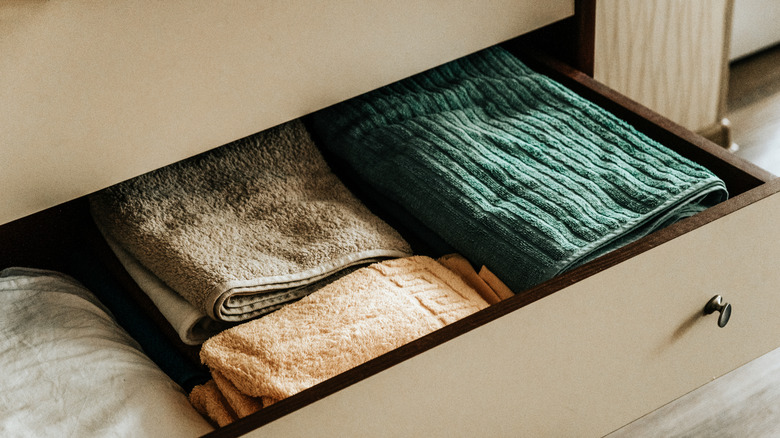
495,283
209,402
348,322
221,402
459,265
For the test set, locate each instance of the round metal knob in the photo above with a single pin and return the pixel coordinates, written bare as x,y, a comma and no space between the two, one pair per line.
716,304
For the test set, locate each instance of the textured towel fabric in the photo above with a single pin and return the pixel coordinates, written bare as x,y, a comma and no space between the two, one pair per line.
210,403
495,283
352,320
243,229
238,402
189,322
421,238
512,169
221,402
459,265
68,369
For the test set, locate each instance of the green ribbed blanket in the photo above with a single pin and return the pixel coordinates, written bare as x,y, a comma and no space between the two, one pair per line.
512,169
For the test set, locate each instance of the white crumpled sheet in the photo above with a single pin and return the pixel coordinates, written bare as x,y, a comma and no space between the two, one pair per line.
67,369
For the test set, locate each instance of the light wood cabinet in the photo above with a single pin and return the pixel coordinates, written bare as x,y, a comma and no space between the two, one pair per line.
671,56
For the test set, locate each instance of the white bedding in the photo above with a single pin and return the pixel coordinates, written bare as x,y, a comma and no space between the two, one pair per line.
69,370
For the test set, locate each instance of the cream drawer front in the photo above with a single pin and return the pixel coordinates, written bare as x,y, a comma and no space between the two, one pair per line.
587,359
96,93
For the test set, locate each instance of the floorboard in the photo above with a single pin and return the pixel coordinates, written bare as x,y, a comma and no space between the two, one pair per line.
743,403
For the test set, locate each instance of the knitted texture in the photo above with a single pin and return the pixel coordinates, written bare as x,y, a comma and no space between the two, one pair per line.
363,315
245,228
512,169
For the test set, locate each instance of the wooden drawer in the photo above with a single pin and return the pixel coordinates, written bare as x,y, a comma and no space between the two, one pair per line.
586,359
579,355
590,350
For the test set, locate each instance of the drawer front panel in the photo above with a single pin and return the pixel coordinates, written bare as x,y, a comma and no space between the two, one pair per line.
587,359
95,94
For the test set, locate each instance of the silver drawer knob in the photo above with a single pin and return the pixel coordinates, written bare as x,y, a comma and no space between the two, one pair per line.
716,305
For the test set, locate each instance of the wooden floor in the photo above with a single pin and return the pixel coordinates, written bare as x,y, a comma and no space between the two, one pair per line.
745,402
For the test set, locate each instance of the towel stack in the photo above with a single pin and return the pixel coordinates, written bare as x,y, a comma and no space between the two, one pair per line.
513,170
240,231
363,315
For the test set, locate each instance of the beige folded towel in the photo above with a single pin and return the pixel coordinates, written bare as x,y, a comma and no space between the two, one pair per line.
243,229
459,265
208,400
352,320
495,283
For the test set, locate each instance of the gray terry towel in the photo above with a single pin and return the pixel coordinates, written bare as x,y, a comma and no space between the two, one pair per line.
243,229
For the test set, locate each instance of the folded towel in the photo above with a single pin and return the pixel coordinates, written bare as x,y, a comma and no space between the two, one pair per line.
459,265
515,171
352,320
68,369
208,400
495,283
189,322
243,229
420,237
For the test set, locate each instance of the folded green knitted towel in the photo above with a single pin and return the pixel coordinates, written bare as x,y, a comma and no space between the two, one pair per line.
512,169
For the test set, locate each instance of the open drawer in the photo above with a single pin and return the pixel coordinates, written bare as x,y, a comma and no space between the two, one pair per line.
590,350
579,355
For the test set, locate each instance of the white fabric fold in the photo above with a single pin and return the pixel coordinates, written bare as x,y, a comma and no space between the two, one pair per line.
192,325
69,370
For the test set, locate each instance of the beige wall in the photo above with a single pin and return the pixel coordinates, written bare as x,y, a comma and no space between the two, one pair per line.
755,26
